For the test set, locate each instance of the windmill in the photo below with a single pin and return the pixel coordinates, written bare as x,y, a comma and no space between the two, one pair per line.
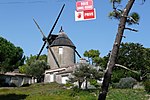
51,46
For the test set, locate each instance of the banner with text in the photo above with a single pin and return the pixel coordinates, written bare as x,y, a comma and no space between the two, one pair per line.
85,10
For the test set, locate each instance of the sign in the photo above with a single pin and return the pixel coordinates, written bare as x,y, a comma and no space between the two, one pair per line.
84,5
85,15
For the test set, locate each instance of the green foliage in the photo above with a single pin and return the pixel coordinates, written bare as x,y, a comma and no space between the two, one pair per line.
104,61
117,13
94,83
135,57
84,73
34,67
117,75
32,58
127,82
147,85
134,18
10,56
23,68
95,59
37,68
93,55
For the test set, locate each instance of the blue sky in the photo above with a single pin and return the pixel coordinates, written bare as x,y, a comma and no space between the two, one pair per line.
17,26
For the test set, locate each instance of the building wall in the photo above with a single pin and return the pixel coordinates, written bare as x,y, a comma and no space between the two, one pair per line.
47,78
65,59
58,79
17,80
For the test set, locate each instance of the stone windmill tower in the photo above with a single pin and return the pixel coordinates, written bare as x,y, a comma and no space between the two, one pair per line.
62,51
61,54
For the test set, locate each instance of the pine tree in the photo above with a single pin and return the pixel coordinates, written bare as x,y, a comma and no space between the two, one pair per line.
124,18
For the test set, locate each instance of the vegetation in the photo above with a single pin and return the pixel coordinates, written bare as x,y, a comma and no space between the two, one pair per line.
32,58
124,83
85,73
147,85
135,57
55,91
11,57
127,94
34,67
93,56
125,17
131,55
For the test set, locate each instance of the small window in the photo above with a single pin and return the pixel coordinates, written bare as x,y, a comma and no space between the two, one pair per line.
60,50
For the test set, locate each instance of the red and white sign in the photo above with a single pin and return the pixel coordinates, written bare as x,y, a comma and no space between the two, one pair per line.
84,5
85,15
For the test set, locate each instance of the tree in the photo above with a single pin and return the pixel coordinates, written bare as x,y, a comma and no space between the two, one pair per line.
135,57
10,56
124,18
32,58
93,56
34,67
85,72
131,55
29,60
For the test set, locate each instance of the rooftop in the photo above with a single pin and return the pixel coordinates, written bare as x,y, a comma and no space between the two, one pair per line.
62,40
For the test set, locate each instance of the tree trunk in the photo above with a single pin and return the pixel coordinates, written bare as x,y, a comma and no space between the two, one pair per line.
80,83
86,84
115,50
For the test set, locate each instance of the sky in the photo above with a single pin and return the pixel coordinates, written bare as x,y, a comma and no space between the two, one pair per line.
17,26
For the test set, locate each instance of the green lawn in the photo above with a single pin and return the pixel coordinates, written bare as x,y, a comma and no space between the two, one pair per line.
55,91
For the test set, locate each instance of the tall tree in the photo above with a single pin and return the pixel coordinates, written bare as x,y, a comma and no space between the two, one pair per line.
93,55
10,56
32,58
123,16
135,57
36,69
29,63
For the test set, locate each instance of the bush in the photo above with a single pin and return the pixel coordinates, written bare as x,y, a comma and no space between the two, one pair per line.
127,82
147,85
115,85
94,83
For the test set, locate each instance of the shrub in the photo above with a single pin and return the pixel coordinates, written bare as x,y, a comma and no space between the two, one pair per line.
115,85
147,85
127,82
94,83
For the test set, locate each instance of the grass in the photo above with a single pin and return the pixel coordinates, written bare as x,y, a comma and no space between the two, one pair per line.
127,94
55,91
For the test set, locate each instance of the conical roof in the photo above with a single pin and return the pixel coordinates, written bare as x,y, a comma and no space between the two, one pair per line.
62,40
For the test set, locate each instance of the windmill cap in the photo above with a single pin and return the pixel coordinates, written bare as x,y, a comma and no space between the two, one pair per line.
62,40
